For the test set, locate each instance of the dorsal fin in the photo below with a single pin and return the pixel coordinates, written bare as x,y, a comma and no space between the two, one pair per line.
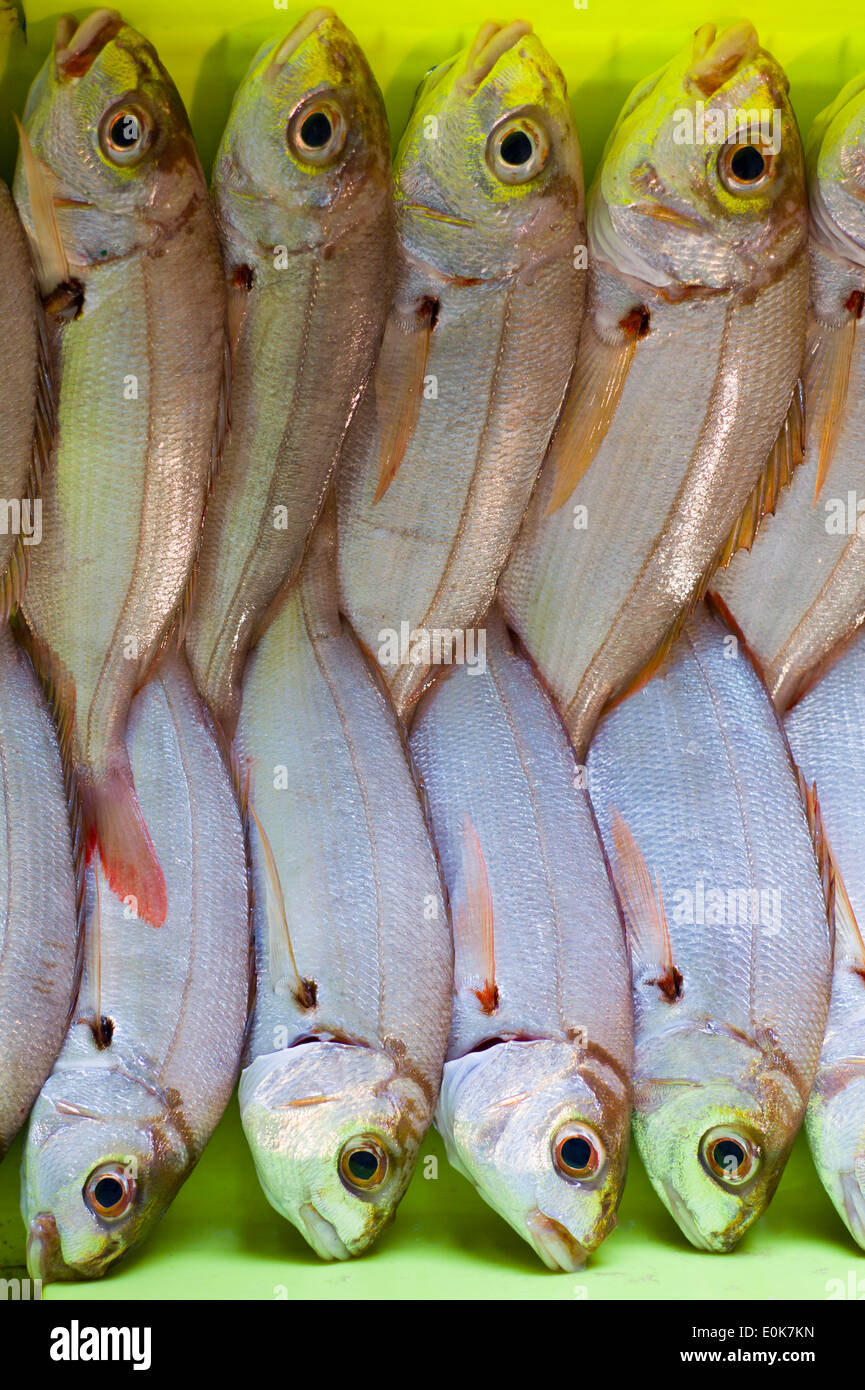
593,397
398,385
474,930
828,359
643,906
282,962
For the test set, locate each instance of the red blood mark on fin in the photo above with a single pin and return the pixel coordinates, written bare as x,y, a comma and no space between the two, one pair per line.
114,825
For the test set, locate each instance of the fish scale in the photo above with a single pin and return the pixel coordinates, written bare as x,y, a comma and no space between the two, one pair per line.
20,368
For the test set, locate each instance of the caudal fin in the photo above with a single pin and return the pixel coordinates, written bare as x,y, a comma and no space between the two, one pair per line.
113,824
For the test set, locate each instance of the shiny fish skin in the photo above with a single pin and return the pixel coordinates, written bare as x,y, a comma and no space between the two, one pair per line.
146,1104
38,929
697,765
310,329
801,591
126,485
486,275
366,918
490,746
826,730
709,384
19,365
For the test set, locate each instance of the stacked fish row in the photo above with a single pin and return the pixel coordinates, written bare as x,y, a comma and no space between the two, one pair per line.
362,497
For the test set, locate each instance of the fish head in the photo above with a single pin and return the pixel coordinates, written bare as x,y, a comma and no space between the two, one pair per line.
307,136
714,1152
701,184
543,1135
488,177
334,1130
95,1175
835,157
107,159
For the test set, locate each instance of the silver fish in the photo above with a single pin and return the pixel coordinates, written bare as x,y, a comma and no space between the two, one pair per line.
826,730
801,591
535,1101
307,238
699,805
354,956
687,367
447,442
38,924
154,1047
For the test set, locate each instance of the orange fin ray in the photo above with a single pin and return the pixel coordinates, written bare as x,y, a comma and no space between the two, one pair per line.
398,386
839,909
474,931
828,358
113,823
643,906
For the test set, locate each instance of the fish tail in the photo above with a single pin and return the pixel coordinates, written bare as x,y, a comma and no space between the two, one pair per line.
112,823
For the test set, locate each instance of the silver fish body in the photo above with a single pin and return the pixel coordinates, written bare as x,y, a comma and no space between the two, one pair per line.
153,1051
353,948
801,590
447,442
20,367
540,1052
307,239
690,351
826,730
114,202
38,926
698,801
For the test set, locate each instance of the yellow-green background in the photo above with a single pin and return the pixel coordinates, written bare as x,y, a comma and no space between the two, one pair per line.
221,1239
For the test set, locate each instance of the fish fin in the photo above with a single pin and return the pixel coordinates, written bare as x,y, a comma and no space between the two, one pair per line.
238,290
114,825
49,254
398,385
474,930
828,358
591,402
282,962
101,1027
643,907
717,56
826,865
786,455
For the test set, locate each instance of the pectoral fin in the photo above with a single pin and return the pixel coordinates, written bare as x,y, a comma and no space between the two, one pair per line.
398,385
643,906
282,963
474,931
828,357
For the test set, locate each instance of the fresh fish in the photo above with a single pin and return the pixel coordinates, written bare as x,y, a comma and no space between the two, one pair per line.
38,924
446,445
698,802
801,591
302,189
687,368
113,199
153,1050
354,956
25,406
535,1101
826,730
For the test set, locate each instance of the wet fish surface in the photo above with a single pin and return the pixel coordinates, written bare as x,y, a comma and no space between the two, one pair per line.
38,923
801,591
115,205
535,1101
698,802
354,955
153,1050
686,377
826,730
447,442
302,193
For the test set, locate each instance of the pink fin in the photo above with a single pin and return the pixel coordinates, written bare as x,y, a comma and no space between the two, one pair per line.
473,925
643,907
113,824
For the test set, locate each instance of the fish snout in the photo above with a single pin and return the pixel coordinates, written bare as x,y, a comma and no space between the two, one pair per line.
853,1192
303,30
44,1254
75,50
558,1249
322,1235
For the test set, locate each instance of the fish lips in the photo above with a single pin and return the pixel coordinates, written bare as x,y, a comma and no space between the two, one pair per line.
554,1243
45,1254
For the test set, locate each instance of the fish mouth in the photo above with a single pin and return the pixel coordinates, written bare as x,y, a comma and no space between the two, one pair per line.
491,43
299,34
44,1254
554,1243
854,1206
76,48
686,1222
717,57
322,1235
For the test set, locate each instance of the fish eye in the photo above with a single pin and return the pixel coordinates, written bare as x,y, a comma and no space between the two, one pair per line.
317,131
110,1191
125,133
729,1156
578,1153
363,1164
744,167
517,149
